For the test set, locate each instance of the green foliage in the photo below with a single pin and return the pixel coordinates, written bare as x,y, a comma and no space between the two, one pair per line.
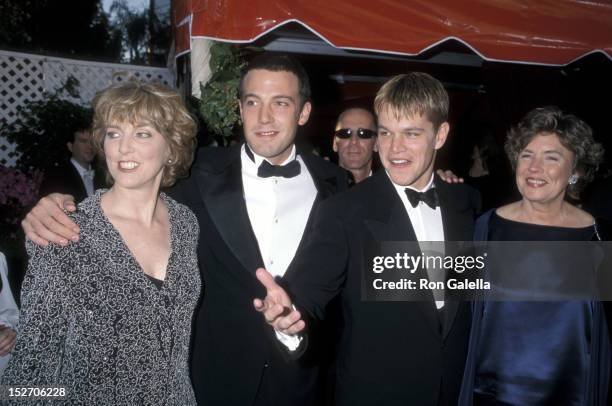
43,128
219,97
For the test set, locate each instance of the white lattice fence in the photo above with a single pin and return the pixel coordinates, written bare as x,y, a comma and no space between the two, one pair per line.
25,77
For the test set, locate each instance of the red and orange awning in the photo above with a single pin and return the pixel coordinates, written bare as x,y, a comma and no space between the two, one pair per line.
554,32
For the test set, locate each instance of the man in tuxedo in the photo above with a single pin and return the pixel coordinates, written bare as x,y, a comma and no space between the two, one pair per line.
75,177
391,352
254,203
355,142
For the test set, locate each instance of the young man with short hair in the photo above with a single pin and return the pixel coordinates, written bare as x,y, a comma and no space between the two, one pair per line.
253,203
77,176
391,352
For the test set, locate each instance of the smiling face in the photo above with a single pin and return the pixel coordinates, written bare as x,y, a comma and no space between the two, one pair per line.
407,147
271,113
135,155
543,168
355,152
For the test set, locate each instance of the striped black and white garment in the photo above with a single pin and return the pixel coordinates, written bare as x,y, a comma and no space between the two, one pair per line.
92,321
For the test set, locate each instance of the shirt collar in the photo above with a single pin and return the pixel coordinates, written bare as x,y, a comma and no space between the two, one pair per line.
79,168
401,189
258,159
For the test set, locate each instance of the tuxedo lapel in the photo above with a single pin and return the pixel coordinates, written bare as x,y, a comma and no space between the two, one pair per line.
389,221
454,218
457,221
326,183
387,218
223,194
396,226
77,181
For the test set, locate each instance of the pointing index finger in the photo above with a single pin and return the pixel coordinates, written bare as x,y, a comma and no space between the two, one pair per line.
266,279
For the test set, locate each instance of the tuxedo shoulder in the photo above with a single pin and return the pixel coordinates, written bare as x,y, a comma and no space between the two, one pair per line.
356,196
323,165
211,158
371,184
462,188
462,194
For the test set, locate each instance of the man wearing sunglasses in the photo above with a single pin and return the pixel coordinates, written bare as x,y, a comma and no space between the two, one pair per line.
355,142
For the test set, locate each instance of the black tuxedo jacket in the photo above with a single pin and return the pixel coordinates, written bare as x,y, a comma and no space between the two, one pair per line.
66,179
235,356
391,353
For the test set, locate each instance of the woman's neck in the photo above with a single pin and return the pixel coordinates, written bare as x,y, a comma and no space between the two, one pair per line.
549,213
136,205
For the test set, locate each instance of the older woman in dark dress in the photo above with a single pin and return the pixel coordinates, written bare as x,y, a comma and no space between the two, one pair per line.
109,317
541,353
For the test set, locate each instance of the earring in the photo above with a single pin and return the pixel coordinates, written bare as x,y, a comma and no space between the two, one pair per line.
169,161
573,179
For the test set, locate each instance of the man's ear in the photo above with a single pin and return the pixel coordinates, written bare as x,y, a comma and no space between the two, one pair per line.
305,113
375,145
441,135
335,144
69,146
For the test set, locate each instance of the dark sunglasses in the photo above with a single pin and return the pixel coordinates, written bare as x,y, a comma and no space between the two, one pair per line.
363,133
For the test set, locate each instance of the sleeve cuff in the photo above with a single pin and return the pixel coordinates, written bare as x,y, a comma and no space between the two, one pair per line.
291,342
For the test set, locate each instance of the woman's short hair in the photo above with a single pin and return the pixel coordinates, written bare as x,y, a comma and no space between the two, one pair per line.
574,134
157,105
413,94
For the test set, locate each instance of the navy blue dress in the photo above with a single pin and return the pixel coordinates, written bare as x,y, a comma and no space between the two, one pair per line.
536,353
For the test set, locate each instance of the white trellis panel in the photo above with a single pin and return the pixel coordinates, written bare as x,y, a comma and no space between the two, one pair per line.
21,79
26,77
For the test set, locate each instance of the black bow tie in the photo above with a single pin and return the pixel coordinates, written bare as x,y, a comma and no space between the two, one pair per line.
266,169
430,197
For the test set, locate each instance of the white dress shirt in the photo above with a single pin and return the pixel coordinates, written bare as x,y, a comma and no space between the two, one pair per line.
87,176
426,222
278,209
